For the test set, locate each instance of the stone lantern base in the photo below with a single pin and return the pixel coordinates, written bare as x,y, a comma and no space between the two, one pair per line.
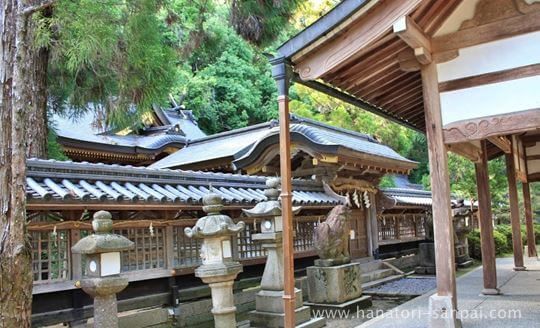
426,254
336,287
269,311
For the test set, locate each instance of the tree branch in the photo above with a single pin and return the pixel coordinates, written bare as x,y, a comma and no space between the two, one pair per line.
28,11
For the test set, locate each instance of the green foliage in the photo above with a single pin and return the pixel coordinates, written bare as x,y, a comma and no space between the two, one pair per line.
387,182
54,150
261,21
308,103
473,239
232,87
502,235
418,152
501,243
112,55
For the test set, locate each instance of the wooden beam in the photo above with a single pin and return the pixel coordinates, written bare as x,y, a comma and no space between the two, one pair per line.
405,28
514,213
438,163
493,31
492,77
341,49
487,241
466,149
410,60
531,242
496,125
423,55
502,142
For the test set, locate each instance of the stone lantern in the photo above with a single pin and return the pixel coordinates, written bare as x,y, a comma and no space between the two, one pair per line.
460,215
102,278
218,268
269,310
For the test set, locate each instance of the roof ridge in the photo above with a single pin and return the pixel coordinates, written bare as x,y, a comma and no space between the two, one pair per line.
230,132
50,165
366,136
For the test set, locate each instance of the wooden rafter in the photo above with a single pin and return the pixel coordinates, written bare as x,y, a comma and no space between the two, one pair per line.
466,149
373,25
502,142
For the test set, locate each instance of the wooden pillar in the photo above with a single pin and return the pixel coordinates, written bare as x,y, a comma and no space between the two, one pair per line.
445,299
279,72
531,242
486,225
514,213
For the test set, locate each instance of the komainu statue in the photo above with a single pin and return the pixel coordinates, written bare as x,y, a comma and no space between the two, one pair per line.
331,238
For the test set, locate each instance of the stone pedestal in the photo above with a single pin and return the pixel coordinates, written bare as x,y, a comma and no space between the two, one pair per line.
442,313
218,268
102,280
462,256
105,311
223,307
269,311
269,304
426,255
336,287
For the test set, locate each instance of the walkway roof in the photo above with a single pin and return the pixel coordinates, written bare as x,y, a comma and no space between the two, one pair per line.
57,184
243,146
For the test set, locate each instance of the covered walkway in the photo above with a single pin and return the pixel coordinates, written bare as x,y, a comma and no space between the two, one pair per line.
518,306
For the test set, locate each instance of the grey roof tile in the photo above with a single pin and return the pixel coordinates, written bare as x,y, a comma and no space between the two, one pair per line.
49,179
241,143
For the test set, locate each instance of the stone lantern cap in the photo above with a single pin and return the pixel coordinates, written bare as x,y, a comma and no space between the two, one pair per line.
214,224
272,206
103,240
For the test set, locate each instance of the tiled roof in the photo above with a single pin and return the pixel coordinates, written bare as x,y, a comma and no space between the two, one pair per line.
404,196
49,180
409,196
241,143
180,128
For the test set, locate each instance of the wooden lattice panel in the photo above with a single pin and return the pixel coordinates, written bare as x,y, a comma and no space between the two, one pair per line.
247,248
186,250
303,240
51,255
149,251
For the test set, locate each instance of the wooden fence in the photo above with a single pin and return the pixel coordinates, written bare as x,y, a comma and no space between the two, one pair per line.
161,248
395,228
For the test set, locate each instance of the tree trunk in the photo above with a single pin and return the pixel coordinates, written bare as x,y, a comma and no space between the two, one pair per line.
37,115
15,99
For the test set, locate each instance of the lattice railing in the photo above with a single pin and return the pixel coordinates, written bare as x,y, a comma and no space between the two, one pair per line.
186,250
401,226
162,247
51,255
149,251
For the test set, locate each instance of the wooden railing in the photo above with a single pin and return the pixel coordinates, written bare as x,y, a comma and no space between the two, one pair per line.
395,228
160,249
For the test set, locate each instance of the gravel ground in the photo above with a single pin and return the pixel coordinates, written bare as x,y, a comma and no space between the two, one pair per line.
406,286
389,296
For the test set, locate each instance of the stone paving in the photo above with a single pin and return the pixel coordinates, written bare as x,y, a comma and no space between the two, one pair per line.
518,306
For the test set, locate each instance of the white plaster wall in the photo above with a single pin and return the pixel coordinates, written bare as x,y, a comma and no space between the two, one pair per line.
494,56
491,99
